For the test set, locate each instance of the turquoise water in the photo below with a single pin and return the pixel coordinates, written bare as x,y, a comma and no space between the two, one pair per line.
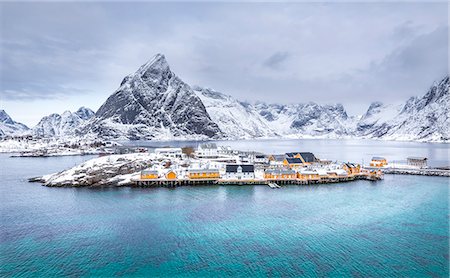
396,227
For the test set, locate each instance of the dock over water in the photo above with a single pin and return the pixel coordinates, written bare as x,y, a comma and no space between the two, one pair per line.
272,183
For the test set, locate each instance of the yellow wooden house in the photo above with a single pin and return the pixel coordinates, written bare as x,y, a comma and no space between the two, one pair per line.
352,169
149,174
378,161
203,174
170,175
283,174
308,175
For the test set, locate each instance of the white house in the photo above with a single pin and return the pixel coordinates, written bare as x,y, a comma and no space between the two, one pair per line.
239,171
207,150
259,158
169,152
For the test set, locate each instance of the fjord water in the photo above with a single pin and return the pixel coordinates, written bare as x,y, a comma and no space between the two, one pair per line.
395,227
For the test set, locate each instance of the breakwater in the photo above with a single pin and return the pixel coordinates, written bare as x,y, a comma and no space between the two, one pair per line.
413,171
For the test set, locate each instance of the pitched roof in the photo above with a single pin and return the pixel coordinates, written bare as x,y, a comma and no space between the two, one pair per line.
278,157
294,160
308,157
246,168
378,158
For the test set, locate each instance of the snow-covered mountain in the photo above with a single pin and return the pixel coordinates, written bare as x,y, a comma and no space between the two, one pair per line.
9,127
240,120
235,119
376,120
66,124
153,103
307,119
421,118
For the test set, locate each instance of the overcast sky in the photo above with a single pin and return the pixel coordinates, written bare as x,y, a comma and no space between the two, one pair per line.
60,56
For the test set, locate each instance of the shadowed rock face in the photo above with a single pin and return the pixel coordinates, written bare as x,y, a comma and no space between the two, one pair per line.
152,101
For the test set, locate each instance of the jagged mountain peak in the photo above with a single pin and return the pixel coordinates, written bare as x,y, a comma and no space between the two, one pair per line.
158,61
152,103
5,118
85,113
10,127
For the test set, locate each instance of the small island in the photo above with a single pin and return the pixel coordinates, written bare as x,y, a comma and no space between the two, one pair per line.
209,164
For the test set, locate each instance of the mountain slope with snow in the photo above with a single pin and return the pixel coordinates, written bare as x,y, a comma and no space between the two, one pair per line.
66,124
307,119
235,119
421,118
153,103
9,127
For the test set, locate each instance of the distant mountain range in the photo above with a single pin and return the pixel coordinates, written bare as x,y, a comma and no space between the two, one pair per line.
154,103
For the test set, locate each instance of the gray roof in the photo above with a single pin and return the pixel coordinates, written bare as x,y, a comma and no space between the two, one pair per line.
149,172
246,168
203,170
293,160
307,156
208,146
281,171
378,158
416,158
279,157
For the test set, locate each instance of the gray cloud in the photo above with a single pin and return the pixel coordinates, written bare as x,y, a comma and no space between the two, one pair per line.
276,60
275,52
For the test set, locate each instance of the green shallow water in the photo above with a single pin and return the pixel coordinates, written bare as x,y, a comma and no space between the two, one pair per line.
396,227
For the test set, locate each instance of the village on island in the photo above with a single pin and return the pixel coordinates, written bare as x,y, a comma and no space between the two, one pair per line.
207,163
212,164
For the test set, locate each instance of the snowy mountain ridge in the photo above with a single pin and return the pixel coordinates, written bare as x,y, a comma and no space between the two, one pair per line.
62,125
155,104
9,127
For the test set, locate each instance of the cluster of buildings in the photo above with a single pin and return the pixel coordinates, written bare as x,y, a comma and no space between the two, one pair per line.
411,162
210,162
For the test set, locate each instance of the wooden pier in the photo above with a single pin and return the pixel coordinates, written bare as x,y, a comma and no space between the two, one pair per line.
272,183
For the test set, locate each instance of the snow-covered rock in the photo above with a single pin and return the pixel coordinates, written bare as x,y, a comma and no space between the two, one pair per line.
113,170
153,103
64,125
9,127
